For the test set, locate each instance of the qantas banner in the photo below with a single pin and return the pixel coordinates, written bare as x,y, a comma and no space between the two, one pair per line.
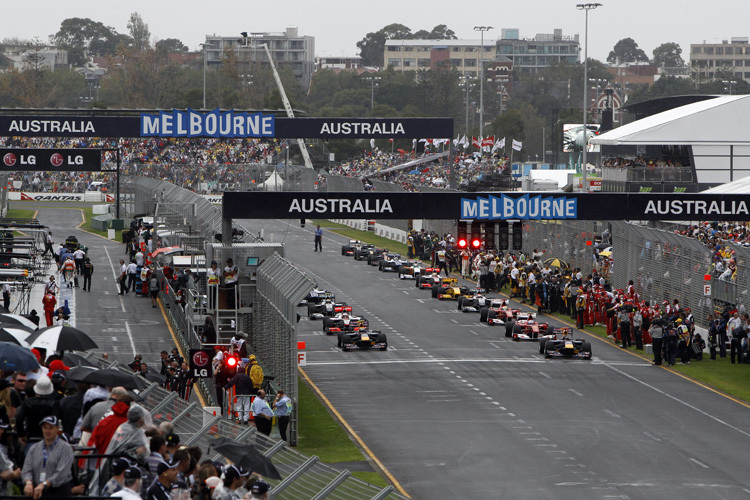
57,160
217,123
485,206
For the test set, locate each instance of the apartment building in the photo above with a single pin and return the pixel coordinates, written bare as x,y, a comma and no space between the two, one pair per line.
729,56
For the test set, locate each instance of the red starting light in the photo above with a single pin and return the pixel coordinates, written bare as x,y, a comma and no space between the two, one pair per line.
476,243
231,362
462,243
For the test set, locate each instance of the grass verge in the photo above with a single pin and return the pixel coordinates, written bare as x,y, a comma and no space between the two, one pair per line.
88,213
363,236
320,434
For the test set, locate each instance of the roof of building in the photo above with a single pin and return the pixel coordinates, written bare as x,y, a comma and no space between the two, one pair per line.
721,121
439,43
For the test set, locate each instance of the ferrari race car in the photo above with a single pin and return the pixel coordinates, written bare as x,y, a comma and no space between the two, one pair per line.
429,277
526,327
362,339
317,296
474,302
344,323
565,347
351,247
327,308
391,262
497,313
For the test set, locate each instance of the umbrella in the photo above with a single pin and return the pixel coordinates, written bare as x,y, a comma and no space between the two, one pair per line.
61,338
14,335
73,359
78,373
111,377
13,358
605,253
247,456
154,377
18,320
414,172
166,250
555,262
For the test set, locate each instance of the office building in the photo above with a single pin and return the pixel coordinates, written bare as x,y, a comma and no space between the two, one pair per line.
728,57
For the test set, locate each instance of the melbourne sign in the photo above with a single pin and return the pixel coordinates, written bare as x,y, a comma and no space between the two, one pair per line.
485,206
218,123
59,160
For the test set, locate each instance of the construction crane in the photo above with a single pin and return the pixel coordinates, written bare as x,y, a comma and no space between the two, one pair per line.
287,106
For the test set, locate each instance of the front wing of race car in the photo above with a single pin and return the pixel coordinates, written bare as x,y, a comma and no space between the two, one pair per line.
363,340
530,331
566,348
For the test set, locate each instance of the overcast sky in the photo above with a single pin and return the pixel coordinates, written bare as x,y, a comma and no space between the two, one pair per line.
338,25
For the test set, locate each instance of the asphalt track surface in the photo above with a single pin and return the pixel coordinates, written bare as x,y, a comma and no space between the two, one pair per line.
453,409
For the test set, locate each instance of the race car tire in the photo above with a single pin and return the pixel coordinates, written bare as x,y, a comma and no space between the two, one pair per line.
417,282
491,314
542,343
461,303
343,250
380,265
311,309
586,348
434,291
509,328
517,329
547,350
327,324
484,314
339,339
382,338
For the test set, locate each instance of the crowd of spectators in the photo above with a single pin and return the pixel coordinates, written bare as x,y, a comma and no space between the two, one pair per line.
639,161
722,239
46,420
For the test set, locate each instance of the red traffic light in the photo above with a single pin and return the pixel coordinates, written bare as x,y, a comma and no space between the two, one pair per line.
231,362
476,243
462,243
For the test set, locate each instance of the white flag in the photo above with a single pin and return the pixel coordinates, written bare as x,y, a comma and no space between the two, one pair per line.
414,144
501,143
456,141
465,142
517,145
372,143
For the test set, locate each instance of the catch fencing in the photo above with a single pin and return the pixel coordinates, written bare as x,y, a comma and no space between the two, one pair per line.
302,476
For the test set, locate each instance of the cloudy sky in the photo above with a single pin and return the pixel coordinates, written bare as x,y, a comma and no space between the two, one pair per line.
338,25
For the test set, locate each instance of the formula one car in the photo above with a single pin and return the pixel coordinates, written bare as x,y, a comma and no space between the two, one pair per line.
366,250
449,289
363,339
565,347
498,313
317,296
429,277
411,270
343,323
525,327
555,333
474,302
391,262
374,257
327,308
351,247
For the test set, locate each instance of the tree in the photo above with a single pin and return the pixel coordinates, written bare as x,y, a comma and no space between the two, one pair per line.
669,55
82,36
139,32
371,47
442,32
625,51
170,45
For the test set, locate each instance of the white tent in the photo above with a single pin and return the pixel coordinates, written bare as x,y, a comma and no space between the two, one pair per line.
718,131
273,183
721,121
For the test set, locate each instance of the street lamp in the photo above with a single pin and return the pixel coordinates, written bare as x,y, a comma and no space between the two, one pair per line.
466,82
597,82
728,82
205,45
372,80
481,29
586,7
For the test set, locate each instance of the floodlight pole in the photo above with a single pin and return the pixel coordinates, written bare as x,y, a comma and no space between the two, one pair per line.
481,30
586,7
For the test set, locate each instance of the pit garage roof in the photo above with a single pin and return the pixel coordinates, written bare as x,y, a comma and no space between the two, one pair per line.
721,121
740,186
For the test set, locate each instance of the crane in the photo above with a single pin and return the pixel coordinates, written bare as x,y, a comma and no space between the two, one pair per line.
287,106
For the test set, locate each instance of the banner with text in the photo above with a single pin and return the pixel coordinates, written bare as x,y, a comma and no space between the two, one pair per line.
57,160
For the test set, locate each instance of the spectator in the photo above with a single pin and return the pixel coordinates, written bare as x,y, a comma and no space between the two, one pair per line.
259,490
166,475
115,483
132,485
35,409
234,477
262,413
129,439
48,465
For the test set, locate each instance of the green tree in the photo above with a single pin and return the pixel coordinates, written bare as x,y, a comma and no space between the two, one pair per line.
371,47
82,36
669,55
139,32
170,45
625,51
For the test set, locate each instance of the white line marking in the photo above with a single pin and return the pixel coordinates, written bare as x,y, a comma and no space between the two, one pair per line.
115,276
698,462
611,413
576,392
405,361
544,375
130,335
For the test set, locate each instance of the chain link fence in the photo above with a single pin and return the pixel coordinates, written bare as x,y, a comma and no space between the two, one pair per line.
302,476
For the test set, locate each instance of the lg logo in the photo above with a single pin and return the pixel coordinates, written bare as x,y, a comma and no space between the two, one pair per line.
9,159
56,160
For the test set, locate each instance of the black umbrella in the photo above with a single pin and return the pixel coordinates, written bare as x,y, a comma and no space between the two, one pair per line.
245,455
154,377
73,359
78,373
15,319
111,377
13,358
15,334
61,338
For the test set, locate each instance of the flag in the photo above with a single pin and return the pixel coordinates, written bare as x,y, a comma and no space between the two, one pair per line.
489,141
457,140
464,142
372,143
475,142
414,144
499,144
390,140
517,145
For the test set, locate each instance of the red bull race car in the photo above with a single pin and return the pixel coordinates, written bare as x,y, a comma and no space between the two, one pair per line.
565,347
327,308
362,339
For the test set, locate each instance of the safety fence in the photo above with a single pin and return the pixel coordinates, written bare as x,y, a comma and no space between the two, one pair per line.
302,476
663,265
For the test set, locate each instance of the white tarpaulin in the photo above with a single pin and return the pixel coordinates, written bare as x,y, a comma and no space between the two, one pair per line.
721,121
274,182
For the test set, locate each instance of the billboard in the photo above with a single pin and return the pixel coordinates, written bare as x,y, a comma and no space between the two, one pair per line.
573,136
